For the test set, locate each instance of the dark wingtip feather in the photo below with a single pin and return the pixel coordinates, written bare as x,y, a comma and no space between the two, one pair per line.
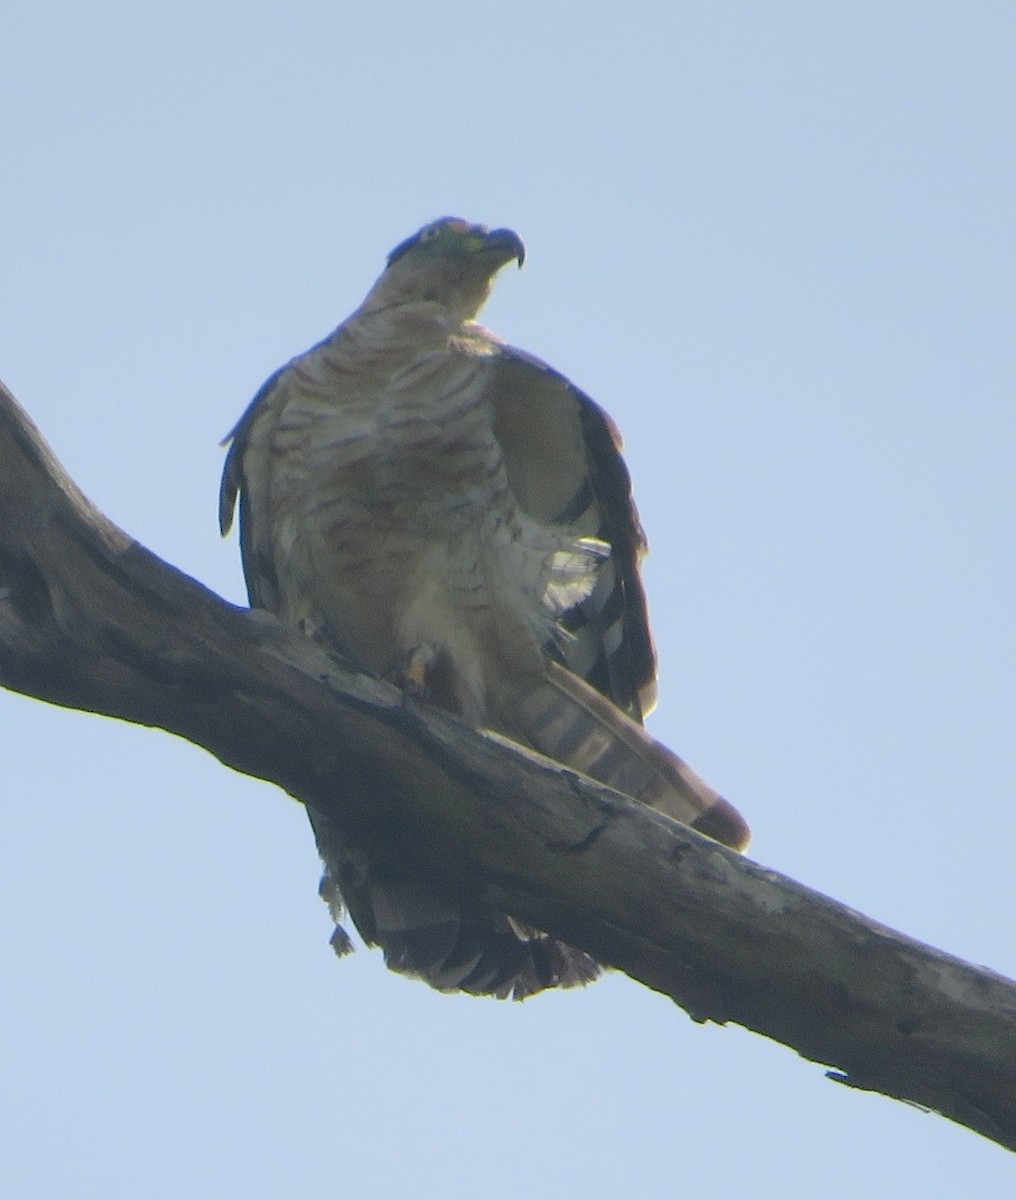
229,488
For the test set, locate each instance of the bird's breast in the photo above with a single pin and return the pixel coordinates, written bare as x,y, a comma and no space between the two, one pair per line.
416,452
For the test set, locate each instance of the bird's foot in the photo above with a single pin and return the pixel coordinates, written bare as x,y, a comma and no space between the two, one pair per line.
416,675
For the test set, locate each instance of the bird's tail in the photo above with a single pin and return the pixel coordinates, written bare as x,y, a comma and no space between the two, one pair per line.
566,719
436,936
453,945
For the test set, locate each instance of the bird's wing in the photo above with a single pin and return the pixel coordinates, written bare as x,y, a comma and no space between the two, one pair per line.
562,456
248,462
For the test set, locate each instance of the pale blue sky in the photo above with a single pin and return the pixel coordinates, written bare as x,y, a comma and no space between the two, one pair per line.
776,242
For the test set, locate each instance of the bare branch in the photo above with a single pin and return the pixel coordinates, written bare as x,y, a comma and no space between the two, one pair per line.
90,619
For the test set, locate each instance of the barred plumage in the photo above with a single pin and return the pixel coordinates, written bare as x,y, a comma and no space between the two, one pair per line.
447,510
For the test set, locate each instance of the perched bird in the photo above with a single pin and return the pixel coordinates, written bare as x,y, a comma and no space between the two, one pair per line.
453,515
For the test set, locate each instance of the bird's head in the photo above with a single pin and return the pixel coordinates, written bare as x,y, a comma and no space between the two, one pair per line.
450,262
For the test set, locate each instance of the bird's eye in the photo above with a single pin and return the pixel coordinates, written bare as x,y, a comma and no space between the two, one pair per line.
430,233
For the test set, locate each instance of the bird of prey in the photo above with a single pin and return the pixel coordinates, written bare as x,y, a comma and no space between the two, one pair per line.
451,514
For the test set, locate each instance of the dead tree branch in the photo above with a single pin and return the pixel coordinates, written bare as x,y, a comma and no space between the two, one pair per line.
90,619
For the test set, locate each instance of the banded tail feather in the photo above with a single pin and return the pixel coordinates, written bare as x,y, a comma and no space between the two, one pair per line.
571,722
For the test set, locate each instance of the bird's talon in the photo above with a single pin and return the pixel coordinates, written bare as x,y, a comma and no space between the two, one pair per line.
414,679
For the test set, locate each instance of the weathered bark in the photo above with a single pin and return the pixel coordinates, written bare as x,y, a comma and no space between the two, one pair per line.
90,619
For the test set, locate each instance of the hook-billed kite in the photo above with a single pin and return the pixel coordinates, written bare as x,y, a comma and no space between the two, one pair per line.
451,514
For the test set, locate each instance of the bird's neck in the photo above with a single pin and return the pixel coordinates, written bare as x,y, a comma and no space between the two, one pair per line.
399,332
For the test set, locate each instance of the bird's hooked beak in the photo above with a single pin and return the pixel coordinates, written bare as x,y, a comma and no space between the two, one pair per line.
507,242
497,246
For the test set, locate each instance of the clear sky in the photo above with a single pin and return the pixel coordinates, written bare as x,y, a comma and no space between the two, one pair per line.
775,241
